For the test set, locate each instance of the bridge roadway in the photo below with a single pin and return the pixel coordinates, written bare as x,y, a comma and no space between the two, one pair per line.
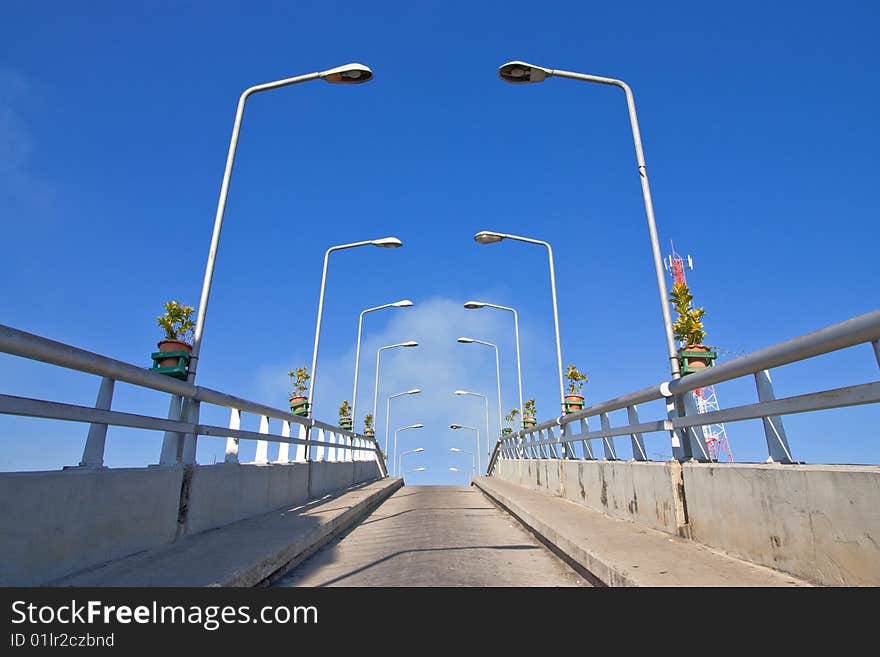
434,536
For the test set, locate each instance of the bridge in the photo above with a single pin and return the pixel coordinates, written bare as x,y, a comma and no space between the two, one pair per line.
317,507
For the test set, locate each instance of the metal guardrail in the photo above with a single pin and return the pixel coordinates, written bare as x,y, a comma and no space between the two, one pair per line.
557,438
181,426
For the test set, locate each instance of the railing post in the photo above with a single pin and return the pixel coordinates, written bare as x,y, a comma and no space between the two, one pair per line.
607,441
172,443
232,441
284,448
774,431
301,450
190,440
93,452
638,443
876,345
588,451
262,455
319,450
688,442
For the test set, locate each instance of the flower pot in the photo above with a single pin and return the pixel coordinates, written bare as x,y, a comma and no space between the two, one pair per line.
173,345
369,432
345,423
505,431
299,405
529,422
695,357
574,403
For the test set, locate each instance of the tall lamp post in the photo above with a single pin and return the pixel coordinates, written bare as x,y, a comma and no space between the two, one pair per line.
414,391
519,73
409,451
486,401
348,74
404,303
464,451
385,242
410,343
491,237
396,431
472,305
464,426
497,374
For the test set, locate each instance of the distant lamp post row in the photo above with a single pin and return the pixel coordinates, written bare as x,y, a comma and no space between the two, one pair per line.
464,426
410,451
396,431
456,450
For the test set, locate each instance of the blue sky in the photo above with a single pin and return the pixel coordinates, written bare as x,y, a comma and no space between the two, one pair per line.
758,121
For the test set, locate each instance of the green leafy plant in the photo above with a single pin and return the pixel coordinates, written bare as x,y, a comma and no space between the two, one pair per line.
368,421
688,326
511,416
576,380
177,322
344,409
529,408
299,378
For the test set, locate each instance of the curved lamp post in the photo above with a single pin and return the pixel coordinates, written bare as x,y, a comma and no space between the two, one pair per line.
409,451
464,426
396,431
386,243
498,378
348,74
486,400
411,343
521,72
414,391
404,303
472,305
464,451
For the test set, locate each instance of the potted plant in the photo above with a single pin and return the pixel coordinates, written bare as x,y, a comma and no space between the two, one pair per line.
369,431
299,404
174,351
345,415
509,418
574,401
530,414
693,355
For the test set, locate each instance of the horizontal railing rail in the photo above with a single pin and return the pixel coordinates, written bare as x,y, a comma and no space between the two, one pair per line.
557,438
181,427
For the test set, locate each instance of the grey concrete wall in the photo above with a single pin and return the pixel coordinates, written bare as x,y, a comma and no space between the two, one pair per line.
818,522
54,523
648,493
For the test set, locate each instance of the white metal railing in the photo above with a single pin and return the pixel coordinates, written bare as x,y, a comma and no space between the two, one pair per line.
557,438
181,426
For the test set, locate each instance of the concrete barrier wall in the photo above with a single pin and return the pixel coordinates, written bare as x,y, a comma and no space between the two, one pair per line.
818,522
647,493
56,523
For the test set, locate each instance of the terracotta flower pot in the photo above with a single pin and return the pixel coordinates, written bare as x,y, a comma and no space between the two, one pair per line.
696,363
172,345
298,405
505,431
369,432
529,422
574,403
345,423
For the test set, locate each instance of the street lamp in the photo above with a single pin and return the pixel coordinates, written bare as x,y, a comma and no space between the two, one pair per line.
410,451
486,400
455,470
419,469
348,74
464,426
405,303
464,451
491,237
385,243
472,305
520,72
414,391
396,431
411,343
498,379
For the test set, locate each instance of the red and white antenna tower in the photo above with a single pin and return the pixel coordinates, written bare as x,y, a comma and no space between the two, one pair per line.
707,400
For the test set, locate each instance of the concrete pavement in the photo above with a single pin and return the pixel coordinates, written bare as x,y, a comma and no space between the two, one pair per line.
435,536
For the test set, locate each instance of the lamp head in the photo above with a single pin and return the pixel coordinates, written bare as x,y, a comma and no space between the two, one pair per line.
521,73
454,449
411,343
453,469
465,340
488,237
461,392
414,391
387,243
419,449
416,426
455,426
349,74
403,303
420,469
470,305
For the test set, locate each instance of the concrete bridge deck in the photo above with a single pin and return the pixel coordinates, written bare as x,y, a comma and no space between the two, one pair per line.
435,536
